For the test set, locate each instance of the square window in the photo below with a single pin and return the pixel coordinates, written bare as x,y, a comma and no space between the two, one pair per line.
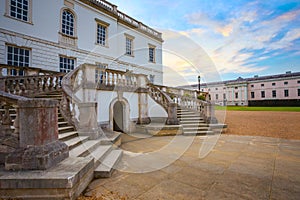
66,64
286,83
262,85
273,84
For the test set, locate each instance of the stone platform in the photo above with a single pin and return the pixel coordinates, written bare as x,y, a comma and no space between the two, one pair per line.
66,180
160,129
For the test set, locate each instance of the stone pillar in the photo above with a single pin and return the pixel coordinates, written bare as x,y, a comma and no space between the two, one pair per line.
172,114
88,125
143,100
211,110
39,147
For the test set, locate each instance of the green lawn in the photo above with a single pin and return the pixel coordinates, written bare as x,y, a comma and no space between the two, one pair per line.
245,108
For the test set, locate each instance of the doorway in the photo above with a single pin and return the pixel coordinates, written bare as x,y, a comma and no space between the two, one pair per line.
118,117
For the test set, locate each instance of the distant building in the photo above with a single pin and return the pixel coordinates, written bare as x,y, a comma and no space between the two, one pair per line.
274,90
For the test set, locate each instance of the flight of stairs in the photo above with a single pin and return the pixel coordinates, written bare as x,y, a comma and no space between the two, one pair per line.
104,150
193,123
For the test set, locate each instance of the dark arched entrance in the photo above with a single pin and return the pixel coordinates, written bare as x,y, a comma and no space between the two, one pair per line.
118,117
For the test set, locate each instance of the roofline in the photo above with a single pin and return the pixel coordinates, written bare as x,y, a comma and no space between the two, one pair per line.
112,10
252,79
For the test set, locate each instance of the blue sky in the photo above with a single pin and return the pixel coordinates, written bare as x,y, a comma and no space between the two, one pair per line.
241,37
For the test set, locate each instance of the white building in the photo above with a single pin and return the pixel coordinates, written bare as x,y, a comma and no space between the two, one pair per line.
273,90
62,34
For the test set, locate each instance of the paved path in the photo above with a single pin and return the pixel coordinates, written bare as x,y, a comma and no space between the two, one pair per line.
238,167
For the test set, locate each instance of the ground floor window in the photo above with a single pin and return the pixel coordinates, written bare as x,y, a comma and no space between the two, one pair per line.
286,93
274,93
236,95
298,92
252,95
19,57
66,64
263,94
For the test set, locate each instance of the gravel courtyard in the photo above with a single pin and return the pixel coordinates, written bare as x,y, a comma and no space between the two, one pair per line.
257,158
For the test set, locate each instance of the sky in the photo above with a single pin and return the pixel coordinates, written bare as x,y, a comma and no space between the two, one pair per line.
241,38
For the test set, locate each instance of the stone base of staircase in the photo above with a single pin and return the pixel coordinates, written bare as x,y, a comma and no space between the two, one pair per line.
160,129
67,180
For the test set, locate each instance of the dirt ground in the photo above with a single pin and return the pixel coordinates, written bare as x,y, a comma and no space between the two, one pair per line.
264,123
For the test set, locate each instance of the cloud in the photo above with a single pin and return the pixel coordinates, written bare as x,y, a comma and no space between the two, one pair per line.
242,34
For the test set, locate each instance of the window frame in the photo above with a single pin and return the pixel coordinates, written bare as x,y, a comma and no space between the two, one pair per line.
106,26
274,93
129,38
69,58
252,94
150,46
262,94
29,12
236,95
286,93
13,71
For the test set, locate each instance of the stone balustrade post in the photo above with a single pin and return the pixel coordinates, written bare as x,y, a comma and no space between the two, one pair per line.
88,125
172,114
39,147
211,110
143,117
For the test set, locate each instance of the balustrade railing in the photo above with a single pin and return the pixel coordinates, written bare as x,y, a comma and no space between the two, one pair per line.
8,70
31,85
69,103
108,79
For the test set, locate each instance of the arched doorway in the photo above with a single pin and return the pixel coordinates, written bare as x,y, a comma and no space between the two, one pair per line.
118,117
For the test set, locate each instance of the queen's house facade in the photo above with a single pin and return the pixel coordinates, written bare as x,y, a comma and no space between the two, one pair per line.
74,75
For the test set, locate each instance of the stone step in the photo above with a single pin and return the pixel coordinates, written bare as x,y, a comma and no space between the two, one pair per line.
65,129
74,142
100,153
195,128
106,168
194,124
193,133
62,123
84,149
60,119
183,122
67,135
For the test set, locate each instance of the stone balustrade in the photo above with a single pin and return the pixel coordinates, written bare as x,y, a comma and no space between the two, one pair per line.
31,85
8,70
112,9
164,100
107,79
29,141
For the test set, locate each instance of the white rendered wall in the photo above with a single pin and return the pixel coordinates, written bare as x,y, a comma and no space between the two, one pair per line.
42,37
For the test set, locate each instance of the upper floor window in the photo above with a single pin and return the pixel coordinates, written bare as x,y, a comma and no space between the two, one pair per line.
286,83
19,9
101,34
68,23
216,88
298,81
252,85
66,64
129,45
17,56
262,85
273,84
151,53
217,96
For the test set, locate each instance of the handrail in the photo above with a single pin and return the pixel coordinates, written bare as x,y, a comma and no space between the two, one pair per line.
69,101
